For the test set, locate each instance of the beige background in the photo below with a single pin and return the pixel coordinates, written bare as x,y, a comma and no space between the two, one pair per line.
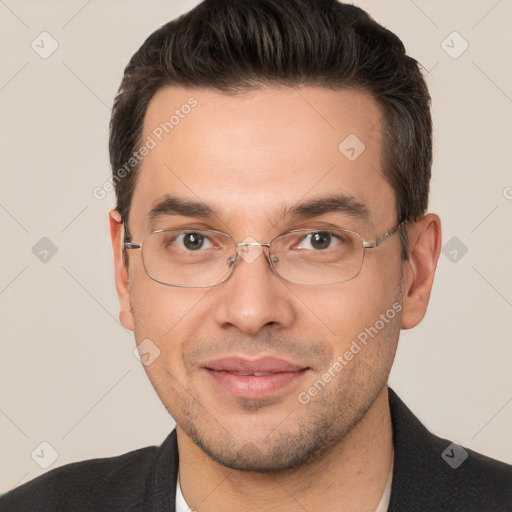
67,369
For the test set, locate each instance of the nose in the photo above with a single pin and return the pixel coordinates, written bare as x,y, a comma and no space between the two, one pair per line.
254,297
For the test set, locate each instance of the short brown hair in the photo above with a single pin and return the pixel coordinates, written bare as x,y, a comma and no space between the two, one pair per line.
232,45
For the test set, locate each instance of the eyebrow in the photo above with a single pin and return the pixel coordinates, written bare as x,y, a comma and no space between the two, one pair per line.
335,203
171,205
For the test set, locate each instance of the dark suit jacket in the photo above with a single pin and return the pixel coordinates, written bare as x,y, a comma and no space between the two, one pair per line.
145,480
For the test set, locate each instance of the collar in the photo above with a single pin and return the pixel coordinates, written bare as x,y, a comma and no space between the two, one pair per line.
418,466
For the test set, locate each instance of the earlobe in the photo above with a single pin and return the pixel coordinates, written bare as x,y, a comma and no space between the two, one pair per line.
424,250
121,271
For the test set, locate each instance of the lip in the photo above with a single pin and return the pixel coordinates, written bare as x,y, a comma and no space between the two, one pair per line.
253,378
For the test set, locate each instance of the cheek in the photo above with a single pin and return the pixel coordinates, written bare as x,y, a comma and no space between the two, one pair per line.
345,311
156,307
159,317
151,306
165,315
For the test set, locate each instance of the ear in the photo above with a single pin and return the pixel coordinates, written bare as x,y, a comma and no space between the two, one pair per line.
121,272
424,250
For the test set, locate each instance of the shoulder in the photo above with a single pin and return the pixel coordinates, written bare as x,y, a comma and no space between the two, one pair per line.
468,476
461,479
115,483
432,473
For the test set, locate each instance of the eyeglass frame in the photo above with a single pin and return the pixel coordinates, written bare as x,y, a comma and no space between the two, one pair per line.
367,244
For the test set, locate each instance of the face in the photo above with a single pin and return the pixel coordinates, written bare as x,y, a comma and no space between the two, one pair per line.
261,373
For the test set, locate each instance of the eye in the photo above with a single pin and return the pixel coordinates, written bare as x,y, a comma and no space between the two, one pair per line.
192,241
319,241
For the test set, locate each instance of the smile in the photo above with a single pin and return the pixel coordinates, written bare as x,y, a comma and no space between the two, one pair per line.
253,379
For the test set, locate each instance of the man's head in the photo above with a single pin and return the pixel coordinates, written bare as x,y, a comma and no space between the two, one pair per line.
234,46
255,119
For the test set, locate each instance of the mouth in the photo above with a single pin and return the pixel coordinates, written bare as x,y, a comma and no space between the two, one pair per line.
254,379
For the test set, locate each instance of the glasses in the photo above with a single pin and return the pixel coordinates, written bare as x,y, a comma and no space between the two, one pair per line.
196,258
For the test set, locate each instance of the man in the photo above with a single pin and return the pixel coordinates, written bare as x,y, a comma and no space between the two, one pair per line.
272,164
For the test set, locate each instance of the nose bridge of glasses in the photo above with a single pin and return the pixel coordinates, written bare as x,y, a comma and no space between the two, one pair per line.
250,249
255,244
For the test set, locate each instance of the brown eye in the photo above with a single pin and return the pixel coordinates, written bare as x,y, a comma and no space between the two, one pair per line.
318,241
193,241
321,240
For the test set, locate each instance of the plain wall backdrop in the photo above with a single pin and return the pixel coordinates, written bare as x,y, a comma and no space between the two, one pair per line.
68,375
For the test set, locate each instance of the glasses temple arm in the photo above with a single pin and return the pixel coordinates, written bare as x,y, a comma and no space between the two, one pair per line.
131,245
385,236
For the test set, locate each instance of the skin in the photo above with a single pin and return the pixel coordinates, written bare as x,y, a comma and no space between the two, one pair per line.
248,155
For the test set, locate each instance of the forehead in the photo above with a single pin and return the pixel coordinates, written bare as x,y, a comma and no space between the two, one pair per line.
256,152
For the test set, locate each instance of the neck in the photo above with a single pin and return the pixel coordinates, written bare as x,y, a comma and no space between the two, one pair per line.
352,475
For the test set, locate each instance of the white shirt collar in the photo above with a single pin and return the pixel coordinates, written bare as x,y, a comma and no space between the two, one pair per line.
181,504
